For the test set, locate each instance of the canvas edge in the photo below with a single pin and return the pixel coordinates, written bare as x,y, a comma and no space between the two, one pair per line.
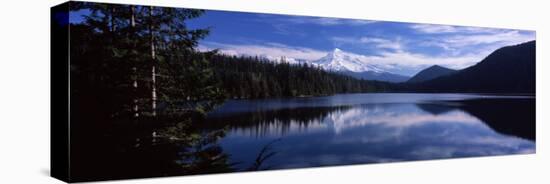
59,91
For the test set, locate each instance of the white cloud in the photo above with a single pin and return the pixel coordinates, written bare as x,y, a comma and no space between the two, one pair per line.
325,21
376,42
348,40
502,38
432,28
404,59
398,57
459,38
459,44
439,29
390,60
462,46
383,43
269,49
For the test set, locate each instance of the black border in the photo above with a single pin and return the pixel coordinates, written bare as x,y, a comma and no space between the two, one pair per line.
59,91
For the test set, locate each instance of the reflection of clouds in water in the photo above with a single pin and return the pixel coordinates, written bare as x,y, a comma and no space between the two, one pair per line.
332,159
358,117
373,133
383,133
342,119
461,135
501,141
389,149
420,152
517,146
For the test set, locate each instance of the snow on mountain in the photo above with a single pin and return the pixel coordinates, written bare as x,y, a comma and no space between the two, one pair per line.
336,61
357,66
340,61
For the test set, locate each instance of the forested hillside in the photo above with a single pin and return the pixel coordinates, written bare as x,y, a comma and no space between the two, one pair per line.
509,69
255,77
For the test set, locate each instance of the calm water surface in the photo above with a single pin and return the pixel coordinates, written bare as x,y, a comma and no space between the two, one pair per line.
371,128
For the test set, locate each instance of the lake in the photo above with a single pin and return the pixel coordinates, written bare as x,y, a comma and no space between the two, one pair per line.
372,128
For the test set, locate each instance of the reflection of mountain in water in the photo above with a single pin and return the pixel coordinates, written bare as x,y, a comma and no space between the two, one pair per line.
435,109
508,116
512,117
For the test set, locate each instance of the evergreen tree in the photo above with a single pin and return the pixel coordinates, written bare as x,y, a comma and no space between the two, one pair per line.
135,78
148,52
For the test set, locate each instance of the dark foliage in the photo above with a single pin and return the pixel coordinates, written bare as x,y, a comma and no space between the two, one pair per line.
254,77
120,55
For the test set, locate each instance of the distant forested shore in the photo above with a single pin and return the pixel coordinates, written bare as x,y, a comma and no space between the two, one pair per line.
256,77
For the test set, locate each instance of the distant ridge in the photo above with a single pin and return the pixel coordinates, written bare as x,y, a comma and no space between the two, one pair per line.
430,73
509,69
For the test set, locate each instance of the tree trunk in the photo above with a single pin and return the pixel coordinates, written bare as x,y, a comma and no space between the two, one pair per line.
135,108
112,21
153,64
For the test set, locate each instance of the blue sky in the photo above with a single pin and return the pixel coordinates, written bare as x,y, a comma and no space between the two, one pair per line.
402,48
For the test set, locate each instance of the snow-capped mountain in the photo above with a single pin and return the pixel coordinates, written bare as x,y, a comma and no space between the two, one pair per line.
340,61
346,63
355,65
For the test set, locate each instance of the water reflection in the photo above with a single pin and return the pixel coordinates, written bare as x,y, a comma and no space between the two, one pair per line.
379,132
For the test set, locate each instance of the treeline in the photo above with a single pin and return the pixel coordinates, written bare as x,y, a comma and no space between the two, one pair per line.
256,77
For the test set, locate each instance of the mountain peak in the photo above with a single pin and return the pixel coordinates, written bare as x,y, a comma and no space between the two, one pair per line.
430,73
336,52
341,61
437,66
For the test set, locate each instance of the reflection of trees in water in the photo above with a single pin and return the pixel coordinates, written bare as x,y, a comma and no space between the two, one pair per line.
281,120
164,149
507,116
514,117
